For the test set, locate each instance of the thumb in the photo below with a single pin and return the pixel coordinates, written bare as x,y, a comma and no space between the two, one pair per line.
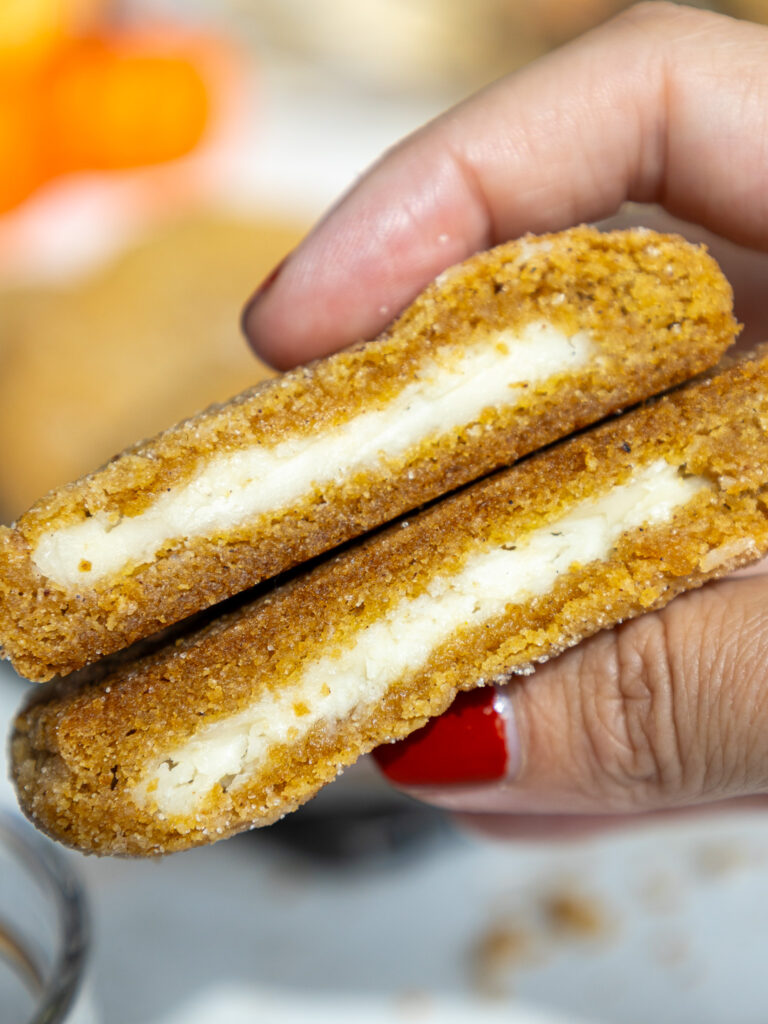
666,710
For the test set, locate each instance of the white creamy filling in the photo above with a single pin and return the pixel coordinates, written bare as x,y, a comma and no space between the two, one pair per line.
232,488
331,687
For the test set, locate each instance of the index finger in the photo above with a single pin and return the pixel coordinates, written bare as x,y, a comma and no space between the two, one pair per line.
662,104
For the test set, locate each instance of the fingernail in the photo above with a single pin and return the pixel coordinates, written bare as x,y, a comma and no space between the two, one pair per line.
475,740
270,279
263,288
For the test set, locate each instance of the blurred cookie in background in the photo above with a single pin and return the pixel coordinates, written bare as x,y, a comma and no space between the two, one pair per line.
89,367
749,10
398,46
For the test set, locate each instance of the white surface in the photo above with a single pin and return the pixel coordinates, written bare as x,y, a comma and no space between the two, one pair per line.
686,946
234,487
242,1005
338,683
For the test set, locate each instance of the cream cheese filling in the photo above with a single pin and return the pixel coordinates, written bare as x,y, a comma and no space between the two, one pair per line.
234,487
334,685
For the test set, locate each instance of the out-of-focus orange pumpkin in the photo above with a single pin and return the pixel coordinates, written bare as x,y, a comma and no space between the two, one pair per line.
121,103
78,95
23,161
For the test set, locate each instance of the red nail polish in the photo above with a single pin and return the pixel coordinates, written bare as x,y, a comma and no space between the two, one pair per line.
269,280
468,743
264,287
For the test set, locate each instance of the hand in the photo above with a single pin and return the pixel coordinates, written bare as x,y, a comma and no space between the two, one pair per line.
662,105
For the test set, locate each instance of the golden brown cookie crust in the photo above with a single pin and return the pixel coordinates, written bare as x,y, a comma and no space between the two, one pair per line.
79,751
657,308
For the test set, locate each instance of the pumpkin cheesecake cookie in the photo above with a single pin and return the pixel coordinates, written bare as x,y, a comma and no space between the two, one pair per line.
503,354
238,723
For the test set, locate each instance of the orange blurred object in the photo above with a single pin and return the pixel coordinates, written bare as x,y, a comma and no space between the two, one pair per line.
120,102
22,157
75,96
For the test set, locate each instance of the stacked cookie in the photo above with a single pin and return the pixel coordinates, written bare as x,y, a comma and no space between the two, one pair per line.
244,711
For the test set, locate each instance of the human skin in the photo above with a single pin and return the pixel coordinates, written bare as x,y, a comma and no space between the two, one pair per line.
662,105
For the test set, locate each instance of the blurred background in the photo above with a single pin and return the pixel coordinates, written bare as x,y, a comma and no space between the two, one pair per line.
157,159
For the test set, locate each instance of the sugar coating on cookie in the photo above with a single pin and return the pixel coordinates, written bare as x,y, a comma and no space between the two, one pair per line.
503,354
239,723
